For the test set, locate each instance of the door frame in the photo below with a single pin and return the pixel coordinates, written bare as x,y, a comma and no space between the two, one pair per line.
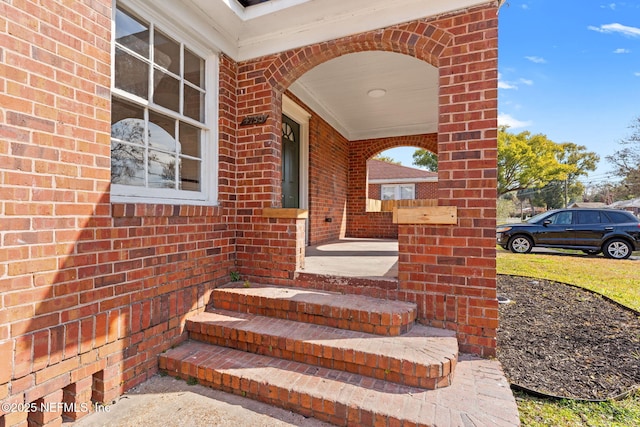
301,116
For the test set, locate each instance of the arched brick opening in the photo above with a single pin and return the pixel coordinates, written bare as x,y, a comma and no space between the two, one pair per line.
422,40
375,224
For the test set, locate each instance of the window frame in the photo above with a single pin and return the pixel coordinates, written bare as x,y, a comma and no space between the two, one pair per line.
396,190
122,193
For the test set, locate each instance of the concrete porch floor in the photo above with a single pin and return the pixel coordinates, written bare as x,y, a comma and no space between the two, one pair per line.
351,257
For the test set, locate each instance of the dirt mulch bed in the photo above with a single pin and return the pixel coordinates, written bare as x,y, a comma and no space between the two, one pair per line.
564,341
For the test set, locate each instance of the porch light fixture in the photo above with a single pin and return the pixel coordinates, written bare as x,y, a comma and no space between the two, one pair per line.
247,3
377,93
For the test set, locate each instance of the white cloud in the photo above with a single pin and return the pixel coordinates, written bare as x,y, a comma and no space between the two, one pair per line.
536,59
621,50
637,74
616,28
503,84
507,120
506,85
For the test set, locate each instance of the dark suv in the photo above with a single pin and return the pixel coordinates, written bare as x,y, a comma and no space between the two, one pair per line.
616,233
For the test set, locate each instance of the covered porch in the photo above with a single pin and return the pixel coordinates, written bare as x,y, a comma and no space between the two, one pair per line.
354,257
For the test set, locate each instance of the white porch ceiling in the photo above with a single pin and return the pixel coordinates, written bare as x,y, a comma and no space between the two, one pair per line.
337,89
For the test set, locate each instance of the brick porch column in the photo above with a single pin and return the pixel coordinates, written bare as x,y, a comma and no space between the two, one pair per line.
449,270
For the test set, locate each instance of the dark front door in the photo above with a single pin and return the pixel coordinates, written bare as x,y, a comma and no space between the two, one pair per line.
290,163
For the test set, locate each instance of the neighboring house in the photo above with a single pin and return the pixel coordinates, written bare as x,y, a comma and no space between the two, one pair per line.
632,205
388,181
150,149
587,205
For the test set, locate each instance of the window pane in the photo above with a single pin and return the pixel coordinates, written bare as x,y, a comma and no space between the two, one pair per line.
132,74
166,91
132,33
190,174
127,144
588,217
162,169
619,217
388,193
561,218
162,131
193,69
189,140
193,100
127,164
166,52
127,122
406,192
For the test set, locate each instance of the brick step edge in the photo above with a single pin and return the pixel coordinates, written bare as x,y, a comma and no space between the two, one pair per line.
427,358
343,311
482,396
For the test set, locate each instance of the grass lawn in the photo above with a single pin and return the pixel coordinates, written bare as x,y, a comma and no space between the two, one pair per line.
618,280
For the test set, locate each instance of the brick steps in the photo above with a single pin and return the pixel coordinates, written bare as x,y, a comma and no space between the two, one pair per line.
351,360
353,312
423,357
480,396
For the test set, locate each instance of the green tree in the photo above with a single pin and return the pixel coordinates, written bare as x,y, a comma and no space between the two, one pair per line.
426,159
527,161
581,162
626,161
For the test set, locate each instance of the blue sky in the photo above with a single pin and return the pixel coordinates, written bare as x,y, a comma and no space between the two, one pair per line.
569,70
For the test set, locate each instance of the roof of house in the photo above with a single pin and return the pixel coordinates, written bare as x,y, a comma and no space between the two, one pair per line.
388,172
587,205
632,203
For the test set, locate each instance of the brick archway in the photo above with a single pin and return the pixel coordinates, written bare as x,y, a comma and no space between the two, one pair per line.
368,148
368,224
421,40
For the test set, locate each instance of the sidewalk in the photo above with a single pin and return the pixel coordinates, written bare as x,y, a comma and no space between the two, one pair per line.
166,401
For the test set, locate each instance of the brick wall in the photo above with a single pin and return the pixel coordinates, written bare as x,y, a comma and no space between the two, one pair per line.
328,181
91,291
427,190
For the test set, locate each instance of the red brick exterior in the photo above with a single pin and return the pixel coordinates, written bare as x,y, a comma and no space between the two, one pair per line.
328,182
93,291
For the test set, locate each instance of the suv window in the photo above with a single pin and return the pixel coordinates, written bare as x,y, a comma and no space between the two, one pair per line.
589,217
620,217
561,218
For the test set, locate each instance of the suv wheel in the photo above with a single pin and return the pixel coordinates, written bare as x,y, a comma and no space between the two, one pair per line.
617,249
520,244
